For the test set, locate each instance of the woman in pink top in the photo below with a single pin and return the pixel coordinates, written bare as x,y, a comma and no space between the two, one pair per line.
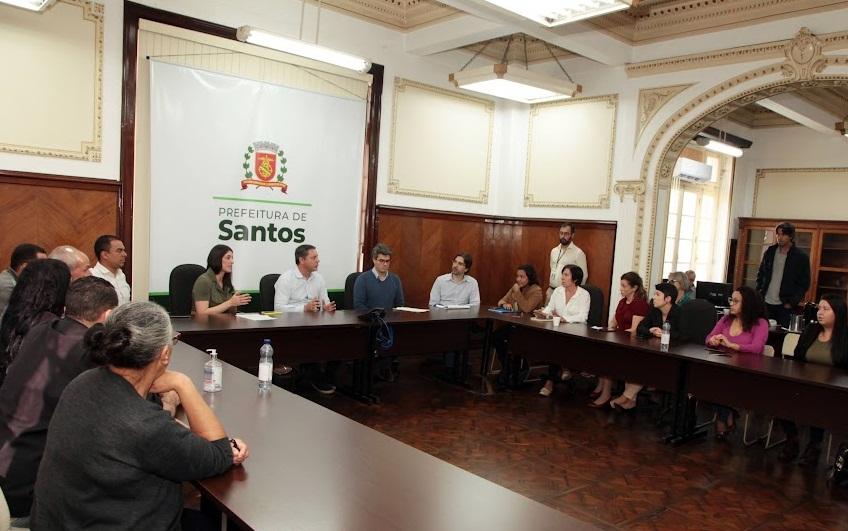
745,331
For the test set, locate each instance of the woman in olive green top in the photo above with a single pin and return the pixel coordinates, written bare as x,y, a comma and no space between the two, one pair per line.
824,342
213,291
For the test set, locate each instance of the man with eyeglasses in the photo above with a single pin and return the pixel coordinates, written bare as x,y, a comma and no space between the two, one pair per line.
565,253
380,288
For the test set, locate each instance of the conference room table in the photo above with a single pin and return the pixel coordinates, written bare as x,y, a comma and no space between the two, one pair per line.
313,469
810,394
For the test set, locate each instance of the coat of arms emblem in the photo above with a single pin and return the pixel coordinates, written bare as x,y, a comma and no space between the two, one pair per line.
268,168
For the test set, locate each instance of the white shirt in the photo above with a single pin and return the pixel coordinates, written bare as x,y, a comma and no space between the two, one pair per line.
575,311
119,282
560,256
446,291
292,291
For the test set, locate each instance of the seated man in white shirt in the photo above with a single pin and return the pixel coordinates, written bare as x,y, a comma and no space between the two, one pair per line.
302,289
111,256
455,288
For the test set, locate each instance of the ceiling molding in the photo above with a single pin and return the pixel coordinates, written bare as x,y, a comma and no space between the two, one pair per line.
742,54
659,20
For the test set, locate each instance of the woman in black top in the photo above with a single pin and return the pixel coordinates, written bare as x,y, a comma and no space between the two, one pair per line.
39,295
114,459
824,342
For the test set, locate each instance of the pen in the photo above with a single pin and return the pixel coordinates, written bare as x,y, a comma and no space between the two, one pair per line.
235,444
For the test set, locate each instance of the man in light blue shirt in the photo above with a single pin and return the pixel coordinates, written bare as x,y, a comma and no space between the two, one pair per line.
451,289
302,289
456,287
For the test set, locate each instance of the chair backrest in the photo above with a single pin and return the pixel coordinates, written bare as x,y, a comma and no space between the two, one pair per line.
790,341
267,292
596,305
180,285
348,293
697,319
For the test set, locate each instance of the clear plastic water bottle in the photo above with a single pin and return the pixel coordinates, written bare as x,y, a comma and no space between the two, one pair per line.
266,365
213,373
665,338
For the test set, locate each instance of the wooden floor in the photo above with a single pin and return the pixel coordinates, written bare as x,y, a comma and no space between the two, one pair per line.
599,466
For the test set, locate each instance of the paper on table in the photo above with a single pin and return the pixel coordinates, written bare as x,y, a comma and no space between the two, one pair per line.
255,316
413,310
453,306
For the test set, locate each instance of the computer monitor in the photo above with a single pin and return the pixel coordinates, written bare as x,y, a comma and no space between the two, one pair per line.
717,293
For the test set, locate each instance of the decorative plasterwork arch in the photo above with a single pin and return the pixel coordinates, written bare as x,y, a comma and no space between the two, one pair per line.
801,68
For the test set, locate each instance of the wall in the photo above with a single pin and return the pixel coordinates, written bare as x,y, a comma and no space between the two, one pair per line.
713,78
786,147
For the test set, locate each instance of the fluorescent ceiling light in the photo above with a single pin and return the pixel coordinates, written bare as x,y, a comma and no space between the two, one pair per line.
514,83
32,5
304,49
555,12
721,147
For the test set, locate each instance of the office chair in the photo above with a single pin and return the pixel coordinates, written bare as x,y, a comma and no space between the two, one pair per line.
180,284
266,292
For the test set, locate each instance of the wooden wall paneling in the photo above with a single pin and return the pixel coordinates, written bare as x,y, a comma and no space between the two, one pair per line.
425,242
54,210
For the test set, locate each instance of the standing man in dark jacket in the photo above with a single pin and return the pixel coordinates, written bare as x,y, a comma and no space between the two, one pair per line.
784,275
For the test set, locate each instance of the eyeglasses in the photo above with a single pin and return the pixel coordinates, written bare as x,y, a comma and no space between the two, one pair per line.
175,339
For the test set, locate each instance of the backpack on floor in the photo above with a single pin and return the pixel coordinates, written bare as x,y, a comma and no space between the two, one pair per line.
838,473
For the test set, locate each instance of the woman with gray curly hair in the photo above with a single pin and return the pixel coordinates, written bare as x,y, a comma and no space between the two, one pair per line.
115,459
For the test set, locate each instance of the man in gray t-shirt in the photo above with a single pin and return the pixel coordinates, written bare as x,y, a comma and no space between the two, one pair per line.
784,275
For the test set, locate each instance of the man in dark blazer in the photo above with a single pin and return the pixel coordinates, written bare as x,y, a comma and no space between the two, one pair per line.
784,275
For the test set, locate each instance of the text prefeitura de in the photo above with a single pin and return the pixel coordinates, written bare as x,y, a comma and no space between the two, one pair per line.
253,213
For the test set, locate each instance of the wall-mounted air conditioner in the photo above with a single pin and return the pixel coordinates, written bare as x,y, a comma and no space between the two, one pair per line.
693,171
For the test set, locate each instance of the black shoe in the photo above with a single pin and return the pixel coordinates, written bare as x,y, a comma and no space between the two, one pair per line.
324,388
789,451
811,455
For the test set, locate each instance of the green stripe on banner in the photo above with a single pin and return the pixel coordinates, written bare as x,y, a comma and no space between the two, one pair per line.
247,200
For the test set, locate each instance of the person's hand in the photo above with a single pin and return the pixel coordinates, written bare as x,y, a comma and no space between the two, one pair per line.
240,451
312,306
239,299
170,401
656,331
170,381
613,324
787,306
330,307
516,288
539,313
506,306
715,340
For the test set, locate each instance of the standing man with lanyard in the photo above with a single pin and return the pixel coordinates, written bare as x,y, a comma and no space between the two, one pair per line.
565,253
784,275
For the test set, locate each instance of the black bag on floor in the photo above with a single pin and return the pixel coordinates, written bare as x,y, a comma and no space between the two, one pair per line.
838,473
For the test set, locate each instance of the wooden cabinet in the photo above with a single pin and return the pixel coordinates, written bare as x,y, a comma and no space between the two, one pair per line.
826,242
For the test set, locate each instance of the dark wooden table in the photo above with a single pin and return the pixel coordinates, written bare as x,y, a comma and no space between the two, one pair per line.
807,393
313,469
297,337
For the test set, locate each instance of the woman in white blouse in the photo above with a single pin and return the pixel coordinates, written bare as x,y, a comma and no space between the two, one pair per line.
571,303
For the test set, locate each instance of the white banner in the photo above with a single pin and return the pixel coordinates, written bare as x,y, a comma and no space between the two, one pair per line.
258,167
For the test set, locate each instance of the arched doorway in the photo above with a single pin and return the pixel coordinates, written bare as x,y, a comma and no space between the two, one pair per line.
804,66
